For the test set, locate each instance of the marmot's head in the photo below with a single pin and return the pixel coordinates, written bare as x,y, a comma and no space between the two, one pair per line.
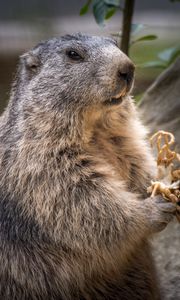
72,73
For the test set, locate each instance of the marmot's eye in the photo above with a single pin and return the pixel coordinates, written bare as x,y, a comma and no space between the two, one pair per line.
73,55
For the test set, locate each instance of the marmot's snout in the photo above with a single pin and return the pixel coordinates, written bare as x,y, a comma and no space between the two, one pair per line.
125,76
127,73
114,72
122,81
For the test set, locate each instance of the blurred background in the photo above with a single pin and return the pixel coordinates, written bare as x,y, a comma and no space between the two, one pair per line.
25,23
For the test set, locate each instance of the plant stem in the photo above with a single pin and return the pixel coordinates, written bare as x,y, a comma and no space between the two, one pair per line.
126,25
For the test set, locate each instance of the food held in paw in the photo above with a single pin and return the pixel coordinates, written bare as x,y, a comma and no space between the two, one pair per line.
168,177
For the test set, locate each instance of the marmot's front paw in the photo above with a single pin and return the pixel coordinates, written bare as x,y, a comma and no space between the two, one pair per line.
159,213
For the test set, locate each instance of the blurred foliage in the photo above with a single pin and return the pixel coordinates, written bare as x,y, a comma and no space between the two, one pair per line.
165,58
135,30
144,38
102,9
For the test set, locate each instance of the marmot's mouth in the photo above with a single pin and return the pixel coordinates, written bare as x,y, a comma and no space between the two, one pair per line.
113,101
117,99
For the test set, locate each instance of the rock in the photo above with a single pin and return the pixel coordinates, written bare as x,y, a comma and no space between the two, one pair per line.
160,106
166,250
160,110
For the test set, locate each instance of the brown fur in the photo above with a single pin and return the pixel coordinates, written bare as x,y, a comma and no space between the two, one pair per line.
73,223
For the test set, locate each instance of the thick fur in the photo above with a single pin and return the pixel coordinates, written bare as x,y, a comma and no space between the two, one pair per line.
74,172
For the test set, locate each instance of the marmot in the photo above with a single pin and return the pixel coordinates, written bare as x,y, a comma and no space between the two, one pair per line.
74,170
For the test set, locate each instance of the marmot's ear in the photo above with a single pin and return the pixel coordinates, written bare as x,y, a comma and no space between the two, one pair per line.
30,60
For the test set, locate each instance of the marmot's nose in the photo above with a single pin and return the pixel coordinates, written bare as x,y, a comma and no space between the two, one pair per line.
126,72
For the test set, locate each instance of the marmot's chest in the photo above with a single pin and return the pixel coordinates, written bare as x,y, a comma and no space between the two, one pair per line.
114,153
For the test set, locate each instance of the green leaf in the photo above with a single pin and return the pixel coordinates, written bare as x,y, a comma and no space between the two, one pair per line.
145,38
136,28
110,12
175,54
115,3
153,64
100,10
170,54
85,8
